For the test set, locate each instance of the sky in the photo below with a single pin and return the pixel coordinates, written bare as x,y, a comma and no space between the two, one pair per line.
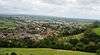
89,9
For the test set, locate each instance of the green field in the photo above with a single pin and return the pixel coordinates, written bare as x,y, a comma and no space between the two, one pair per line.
41,51
97,31
7,24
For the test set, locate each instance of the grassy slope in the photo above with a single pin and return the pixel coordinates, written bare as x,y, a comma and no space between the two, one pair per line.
97,31
41,51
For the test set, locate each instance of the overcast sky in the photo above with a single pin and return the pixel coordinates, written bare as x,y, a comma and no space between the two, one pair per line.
69,8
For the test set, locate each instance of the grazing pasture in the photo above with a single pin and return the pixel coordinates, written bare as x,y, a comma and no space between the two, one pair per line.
40,51
97,31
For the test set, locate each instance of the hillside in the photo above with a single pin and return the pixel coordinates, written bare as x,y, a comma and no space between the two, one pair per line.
49,32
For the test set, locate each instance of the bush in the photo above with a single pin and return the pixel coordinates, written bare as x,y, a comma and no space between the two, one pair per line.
7,54
68,46
84,40
13,53
91,47
74,41
98,52
80,46
98,45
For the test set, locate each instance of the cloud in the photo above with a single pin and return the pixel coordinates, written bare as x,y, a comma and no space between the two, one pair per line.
69,8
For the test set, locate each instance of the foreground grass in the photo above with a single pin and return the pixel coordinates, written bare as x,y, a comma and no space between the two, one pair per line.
97,31
41,51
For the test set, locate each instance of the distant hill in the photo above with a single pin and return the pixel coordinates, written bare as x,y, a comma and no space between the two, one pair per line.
51,19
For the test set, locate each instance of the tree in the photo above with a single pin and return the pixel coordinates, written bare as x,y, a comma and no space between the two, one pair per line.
91,47
67,45
80,46
48,42
73,41
96,24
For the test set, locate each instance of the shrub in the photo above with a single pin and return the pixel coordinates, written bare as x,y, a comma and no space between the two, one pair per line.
7,54
68,46
80,46
13,53
98,52
91,47
74,41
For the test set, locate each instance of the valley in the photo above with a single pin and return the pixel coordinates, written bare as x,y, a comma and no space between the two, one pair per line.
24,33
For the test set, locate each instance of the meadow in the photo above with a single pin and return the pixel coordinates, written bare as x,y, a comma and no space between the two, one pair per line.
97,31
40,51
